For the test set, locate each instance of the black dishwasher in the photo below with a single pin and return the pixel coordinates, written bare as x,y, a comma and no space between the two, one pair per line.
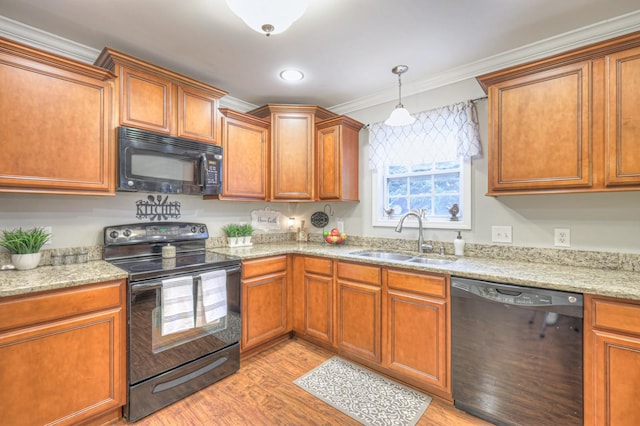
516,353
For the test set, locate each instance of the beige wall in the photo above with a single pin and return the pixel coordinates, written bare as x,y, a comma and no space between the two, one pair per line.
603,222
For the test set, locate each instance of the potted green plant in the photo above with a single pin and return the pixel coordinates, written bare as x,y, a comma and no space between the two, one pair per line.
232,231
246,230
24,246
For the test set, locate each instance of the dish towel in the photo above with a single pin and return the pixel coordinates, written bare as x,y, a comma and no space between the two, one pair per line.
212,297
177,305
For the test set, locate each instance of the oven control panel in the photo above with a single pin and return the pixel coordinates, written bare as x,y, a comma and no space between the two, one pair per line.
154,232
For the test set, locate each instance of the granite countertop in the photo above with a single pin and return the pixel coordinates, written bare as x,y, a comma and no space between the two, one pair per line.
605,282
13,282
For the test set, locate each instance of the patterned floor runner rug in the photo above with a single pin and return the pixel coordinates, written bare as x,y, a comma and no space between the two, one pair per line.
364,395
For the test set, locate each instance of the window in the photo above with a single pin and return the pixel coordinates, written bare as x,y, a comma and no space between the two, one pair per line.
425,166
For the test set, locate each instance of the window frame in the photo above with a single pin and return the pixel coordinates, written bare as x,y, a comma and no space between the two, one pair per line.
379,219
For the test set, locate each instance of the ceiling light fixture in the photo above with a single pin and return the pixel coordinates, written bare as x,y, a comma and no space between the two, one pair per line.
291,75
268,16
399,116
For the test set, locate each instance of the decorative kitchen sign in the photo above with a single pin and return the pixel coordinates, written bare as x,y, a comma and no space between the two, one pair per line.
266,220
156,208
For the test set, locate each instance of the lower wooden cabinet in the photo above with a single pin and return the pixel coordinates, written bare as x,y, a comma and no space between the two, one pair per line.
612,361
265,306
416,328
392,320
313,306
63,355
358,304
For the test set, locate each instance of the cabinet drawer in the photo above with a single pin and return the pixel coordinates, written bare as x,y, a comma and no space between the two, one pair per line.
318,266
434,285
616,315
359,273
39,308
263,266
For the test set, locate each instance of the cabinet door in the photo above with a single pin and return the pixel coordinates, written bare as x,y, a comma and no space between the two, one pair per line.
197,113
540,134
146,101
245,142
55,124
264,300
337,159
359,323
62,372
318,307
617,374
623,119
329,163
292,156
417,337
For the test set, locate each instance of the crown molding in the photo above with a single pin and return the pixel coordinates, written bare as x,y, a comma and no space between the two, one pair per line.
599,31
49,42
603,30
46,41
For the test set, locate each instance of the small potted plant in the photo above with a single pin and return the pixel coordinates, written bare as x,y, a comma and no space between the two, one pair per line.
232,231
24,246
246,229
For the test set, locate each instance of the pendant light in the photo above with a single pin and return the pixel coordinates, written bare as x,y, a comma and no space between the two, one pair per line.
399,116
268,16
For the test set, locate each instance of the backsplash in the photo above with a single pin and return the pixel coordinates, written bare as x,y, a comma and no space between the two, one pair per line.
579,258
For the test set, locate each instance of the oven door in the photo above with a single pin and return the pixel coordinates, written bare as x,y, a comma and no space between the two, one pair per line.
151,353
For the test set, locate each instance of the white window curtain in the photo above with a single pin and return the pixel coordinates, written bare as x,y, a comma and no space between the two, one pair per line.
441,134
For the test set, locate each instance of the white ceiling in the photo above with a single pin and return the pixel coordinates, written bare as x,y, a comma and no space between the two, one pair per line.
346,48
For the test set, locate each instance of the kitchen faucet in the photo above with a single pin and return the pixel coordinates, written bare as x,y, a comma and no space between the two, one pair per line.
418,214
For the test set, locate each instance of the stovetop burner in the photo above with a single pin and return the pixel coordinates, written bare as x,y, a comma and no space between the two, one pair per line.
137,248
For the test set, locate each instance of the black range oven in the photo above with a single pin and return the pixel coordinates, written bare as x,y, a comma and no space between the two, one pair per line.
183,314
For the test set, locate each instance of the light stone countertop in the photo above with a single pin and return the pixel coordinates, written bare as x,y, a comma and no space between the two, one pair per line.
605,282
14,282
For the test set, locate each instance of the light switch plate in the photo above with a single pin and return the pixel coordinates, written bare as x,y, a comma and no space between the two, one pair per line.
501,234
562,237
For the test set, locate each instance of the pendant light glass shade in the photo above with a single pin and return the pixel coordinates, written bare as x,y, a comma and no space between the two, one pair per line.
268,16
399,116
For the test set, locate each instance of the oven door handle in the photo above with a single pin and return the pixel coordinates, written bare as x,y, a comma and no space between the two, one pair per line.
136,288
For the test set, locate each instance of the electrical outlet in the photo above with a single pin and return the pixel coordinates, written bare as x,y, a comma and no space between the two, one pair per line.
501,234
48,230
562,237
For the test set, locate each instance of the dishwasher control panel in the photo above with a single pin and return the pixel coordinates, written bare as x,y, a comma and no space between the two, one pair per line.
517,295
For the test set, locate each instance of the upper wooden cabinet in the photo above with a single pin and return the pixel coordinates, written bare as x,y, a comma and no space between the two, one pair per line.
245,143
56,122
156,99
292,149
567,123
623,118
337,148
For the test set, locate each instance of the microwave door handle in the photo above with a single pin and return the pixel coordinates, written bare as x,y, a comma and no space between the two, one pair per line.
202,172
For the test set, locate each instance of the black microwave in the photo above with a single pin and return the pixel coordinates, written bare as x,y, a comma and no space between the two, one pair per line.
152,162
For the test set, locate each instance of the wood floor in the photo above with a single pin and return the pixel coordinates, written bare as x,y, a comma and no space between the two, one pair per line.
262,393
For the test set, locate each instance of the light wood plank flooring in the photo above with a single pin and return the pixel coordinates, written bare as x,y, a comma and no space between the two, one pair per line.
262,393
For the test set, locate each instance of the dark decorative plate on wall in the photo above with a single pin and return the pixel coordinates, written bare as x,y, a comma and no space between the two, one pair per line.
319,219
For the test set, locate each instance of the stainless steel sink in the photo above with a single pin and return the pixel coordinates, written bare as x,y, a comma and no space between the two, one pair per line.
401,257
430,261
383,255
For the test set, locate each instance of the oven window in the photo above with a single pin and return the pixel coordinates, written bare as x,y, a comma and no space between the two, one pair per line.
162,166
161,343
